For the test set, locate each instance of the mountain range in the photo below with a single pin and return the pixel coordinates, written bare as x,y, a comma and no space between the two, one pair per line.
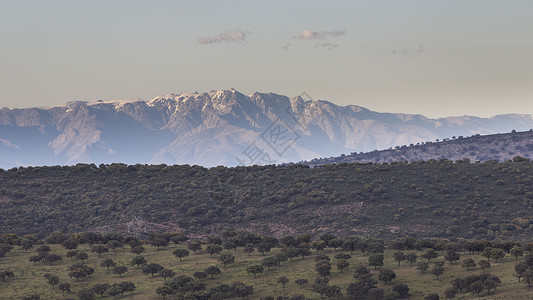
222,127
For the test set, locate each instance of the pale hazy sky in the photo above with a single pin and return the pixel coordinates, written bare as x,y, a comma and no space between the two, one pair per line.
436,58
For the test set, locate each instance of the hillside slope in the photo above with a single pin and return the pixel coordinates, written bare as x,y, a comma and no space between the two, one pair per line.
436,199
499,147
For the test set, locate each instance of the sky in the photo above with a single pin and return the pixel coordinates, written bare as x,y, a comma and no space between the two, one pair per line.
437,58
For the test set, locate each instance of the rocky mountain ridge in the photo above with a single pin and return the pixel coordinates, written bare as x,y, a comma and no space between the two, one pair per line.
222,127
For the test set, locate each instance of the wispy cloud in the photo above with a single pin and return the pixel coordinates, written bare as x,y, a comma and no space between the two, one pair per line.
227,36
9,144
326,45
286,46
319,35
403,51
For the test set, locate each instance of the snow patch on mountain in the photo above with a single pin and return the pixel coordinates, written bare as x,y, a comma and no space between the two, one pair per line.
220,127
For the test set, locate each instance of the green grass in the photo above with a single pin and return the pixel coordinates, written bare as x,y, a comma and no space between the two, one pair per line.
29,277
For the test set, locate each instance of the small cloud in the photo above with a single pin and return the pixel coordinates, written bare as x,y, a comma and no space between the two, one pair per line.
319,35
285,46
403,51
400,52
326,45
227,36
9,144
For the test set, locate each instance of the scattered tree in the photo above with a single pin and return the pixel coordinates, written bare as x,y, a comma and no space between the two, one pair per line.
484,264
164,291
520,268
125,286
437,270
264,248
323,268
429,254
432,296
107,263
386,275
139,261
375,260
213,249
249,248
342,265
69,244
51,258
376,294
452,256
85,294
167,273
468,263
281,257
82,256
114,244
159,242
194,246
212,270
477,287
226,259
101,288
497,254
269,262
333,291
318,245
53,281
200,275
26,244
120,270
517,251
179,238
99,249
450,292
283,280
72,254
422,267
137,249
64,287
115,290
241,290
399,256
301,281
35,258
528,277
152,268
179,282
344,256
401,289
43,248
411,257
181,253
255,269
80,270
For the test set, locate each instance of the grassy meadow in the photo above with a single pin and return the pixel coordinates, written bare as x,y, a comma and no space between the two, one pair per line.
29,277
